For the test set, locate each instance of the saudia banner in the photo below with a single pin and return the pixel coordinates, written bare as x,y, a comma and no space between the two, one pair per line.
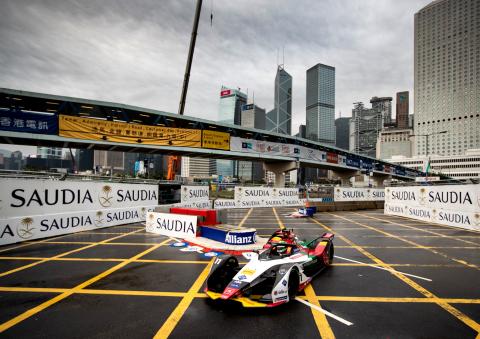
171,225
195,194
23,197
32,227
453,205
467,220
464,198
266,197
359,194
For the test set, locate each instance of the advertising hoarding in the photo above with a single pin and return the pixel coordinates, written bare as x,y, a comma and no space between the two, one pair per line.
171,225
96,129
216,140
359,194
27,197
28,122
452,205
31,227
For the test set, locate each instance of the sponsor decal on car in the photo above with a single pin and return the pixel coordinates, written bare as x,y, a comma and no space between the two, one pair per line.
280,292
242,277
282,298
235,284
247,271
284,282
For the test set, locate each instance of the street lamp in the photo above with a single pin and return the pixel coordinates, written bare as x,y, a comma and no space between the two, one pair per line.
426,141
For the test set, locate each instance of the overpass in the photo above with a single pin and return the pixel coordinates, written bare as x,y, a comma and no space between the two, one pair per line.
37,119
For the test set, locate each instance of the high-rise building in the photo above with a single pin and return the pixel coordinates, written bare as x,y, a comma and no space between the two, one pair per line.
447,77
230,110
383,106
342,133
394,142
365,125
231,102
198,167
321,104
253,117
302,131
279,119
401,115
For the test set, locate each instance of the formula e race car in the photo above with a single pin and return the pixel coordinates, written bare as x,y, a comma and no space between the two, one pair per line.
274,275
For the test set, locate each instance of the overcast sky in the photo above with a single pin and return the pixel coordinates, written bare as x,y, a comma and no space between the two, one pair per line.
134,51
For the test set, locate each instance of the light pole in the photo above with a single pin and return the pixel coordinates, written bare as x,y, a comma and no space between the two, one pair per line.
426,142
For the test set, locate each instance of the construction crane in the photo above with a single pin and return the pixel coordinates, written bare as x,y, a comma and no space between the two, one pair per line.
174,160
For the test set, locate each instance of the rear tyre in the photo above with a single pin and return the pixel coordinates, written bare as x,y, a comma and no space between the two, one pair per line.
293,283
329,254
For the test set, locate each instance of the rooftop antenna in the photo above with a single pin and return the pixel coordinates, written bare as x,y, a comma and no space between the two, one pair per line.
277,57
283,56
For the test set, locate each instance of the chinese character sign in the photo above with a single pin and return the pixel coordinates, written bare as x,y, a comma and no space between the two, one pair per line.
28,122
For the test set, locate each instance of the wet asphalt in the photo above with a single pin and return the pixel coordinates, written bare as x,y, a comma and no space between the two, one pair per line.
137,286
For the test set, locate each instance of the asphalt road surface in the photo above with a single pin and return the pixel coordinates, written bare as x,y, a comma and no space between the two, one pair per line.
121,282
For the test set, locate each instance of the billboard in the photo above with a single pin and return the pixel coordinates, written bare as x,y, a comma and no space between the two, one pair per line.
452,205
95,129
30,227
27,197
359,194
28,122
216,140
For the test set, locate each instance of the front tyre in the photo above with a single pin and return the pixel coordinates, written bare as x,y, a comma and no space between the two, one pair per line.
293,283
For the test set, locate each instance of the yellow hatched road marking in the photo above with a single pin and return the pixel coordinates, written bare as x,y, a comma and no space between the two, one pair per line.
202,295
172,321
60,255
27,314
409,242
419,229
30,243
280,223
320,318
446,306
245,218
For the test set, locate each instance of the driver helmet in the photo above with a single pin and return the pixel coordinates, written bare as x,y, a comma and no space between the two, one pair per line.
284,250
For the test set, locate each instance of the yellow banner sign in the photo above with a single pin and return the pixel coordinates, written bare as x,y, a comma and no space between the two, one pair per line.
216,140
95,129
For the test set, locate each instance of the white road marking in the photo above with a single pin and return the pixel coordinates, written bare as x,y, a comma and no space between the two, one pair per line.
383,268
315,307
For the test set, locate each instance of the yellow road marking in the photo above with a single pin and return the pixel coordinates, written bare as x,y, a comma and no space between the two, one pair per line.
60,255
30,243
203,262
245,218
27,314
280,223
172,321
419,229
446,306
408,242
202,295
320,319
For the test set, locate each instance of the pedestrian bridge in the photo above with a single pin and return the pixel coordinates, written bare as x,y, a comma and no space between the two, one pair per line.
38,119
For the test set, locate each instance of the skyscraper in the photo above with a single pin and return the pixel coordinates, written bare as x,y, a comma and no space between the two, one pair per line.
365,125
447,77
402,110
231,102
279,119
342,133
229,112
254,117
383,106
49,152
321,104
